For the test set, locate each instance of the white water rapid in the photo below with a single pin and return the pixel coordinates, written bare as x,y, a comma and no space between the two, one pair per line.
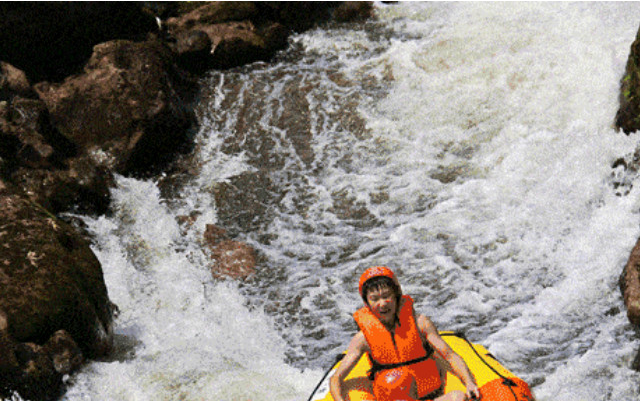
469,146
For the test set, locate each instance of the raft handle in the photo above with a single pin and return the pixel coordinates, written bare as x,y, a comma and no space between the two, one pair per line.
506,381
338,358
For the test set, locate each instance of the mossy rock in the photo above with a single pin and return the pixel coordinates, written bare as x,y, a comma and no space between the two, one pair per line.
627,117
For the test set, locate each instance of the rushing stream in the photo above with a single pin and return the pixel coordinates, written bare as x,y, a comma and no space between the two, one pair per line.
469,146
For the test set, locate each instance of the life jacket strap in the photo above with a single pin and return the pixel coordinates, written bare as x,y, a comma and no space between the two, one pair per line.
378,367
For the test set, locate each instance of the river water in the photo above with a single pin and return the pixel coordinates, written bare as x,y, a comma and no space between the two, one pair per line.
469,146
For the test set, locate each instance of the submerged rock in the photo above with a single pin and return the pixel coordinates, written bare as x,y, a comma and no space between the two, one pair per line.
231,259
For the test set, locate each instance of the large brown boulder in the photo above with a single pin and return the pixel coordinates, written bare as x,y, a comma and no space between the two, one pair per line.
54,306
242,32
42,162
128,106
224,35
627,117
629,283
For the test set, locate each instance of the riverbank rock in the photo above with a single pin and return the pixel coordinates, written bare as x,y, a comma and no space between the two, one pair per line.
350,11
627,118
44,164
242,32
13,82
52,40
54,306
629,284
231,259
88,90
224,35
127,108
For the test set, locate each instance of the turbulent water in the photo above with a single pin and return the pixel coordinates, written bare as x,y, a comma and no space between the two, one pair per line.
469,146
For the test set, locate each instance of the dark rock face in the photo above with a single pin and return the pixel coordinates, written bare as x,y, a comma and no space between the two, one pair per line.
54,306
13,82
112,95
126,104
236,31
629,283
51,40
353,11
627,117
44,164
243,32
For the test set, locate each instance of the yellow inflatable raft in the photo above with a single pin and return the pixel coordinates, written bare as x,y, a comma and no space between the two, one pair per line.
496,383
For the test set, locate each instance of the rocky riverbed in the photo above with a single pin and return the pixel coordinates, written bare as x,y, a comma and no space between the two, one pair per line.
115,93
89,90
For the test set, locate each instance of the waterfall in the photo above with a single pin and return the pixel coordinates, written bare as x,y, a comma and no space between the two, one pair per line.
469,146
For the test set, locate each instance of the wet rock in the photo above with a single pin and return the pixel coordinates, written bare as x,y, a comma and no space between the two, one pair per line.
243,32
31,374
350,11
37,158
25,122
352,211
231,259
50,280
81,186
194,51
213,12
298,16
13,82
128,104
63,352
243,201
627,118
36,371
214,235
234,39
51,40
241,43
629,284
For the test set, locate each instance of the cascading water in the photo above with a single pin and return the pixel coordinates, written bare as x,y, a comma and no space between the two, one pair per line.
467,145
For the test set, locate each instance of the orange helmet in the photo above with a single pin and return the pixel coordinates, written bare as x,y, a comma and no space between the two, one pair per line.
377,271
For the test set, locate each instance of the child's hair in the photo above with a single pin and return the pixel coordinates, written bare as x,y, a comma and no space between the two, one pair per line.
378,283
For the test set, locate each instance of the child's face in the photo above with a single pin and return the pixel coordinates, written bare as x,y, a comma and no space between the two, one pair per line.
382,302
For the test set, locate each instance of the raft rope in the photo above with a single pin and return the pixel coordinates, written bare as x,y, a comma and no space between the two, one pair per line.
339,357
506,380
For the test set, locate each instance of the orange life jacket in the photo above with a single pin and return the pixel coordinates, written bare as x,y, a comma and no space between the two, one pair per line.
405,348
